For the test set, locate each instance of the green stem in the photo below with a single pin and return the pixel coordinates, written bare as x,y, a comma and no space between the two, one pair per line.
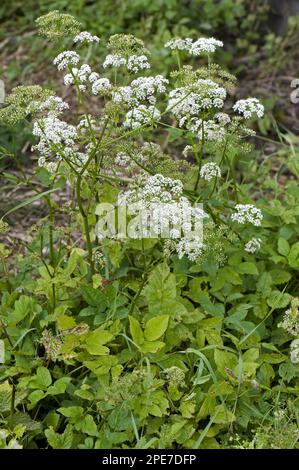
85,223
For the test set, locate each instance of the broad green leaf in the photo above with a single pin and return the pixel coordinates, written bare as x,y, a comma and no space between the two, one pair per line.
136,331
156,327
95,340
283,246
42,380
160,290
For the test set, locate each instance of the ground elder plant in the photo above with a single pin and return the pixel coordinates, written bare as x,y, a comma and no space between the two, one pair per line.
151,309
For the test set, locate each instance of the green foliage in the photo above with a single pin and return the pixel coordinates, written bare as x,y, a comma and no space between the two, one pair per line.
121,343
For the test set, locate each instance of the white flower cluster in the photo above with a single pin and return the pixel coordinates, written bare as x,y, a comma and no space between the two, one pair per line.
84,124
295,351
253,245
85,36
66,58
101,86
222,118
179,44
190,246
52,130
290,321
81,75
138,62
212,131
114,60
164,211
54,104
140,116
84,75
205,46
187,150
209,171
248,108
186,102
247,213
134,63
141,89
198,47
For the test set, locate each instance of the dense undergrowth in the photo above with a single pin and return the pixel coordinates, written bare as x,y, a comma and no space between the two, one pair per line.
149,341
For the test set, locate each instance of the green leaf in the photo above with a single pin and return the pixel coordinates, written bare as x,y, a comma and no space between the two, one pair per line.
160,290
59,386
278,299
29,201
95,340
283,246
60,441
42,380
152,346
247,268
136,331
225,360
156,327
293,256
222,415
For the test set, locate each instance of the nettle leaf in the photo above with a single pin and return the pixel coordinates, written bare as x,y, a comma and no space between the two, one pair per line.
156,327
136,331
160,290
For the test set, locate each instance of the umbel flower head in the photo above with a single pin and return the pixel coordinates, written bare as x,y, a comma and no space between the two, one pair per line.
56,25
247,213
290,321
23,100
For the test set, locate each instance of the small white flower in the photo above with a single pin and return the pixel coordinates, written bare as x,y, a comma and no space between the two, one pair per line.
209,171
222,118
295,351
179,44
248,108
205,46
137,62
66,58
290,321
101,85
253,245
186,150
54,104
93,77
114,60
141,115
247,213
190,246
86,36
